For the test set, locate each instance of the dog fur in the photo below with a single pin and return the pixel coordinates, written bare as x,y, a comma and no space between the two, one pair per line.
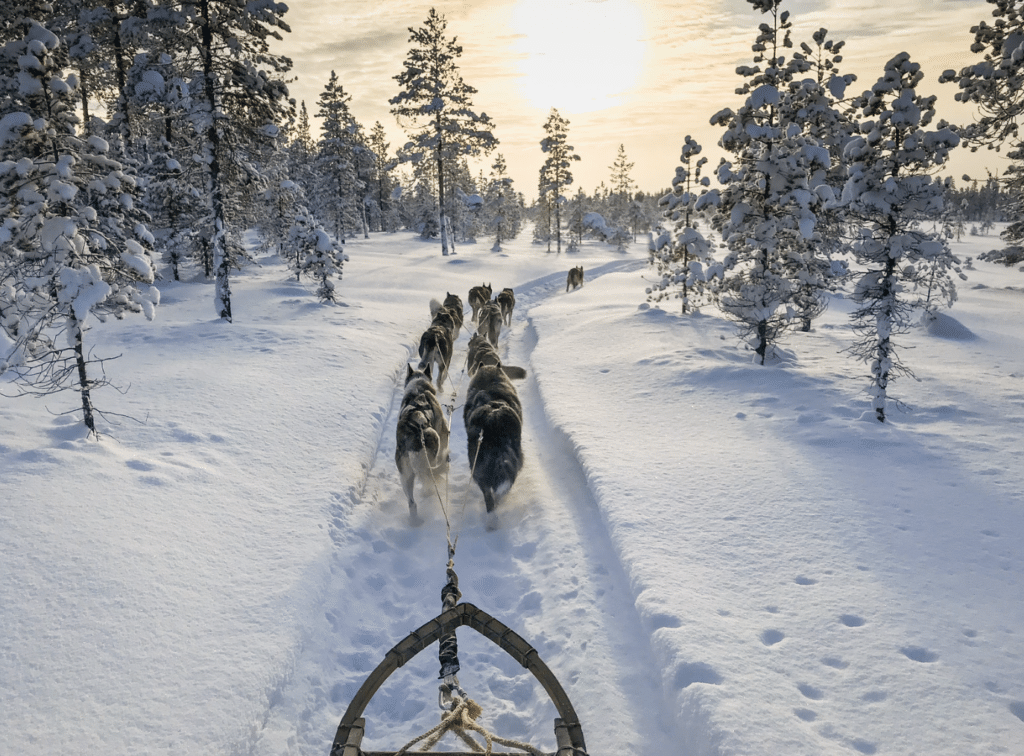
421,437
493,416
507,302
482,353
490,322
478,297
436,348
575,278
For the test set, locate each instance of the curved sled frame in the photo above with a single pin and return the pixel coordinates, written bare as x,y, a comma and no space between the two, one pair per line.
567,727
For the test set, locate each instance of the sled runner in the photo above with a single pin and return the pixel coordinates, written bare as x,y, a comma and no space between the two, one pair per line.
460,712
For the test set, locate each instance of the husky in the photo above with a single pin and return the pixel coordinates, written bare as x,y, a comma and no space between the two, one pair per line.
507,303
490,322
448,313
478,297
436,348
494,427
575,278
421,438
482,353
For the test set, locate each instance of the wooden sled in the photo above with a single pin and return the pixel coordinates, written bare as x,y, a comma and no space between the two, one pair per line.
568,732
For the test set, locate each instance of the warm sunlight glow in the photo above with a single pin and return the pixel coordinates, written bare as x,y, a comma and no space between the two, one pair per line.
578,55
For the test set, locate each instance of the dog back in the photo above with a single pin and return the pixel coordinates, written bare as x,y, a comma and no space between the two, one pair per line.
490,322
493,416
507,303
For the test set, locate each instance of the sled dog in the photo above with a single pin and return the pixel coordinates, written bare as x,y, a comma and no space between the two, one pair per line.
448,314
490,322
494,426
436,349
421,438
482,353
507,303
575,278
478,297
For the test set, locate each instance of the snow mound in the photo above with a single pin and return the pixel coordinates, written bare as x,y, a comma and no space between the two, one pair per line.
945,327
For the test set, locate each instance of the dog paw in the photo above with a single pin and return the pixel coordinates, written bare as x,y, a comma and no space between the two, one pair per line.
491,521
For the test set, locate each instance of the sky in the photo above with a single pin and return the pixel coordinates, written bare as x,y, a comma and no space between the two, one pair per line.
640,73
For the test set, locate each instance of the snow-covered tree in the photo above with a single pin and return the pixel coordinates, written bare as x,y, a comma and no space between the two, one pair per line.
436,107
73,242
502,212
889,190
767,203
622,186
384,212
681,255
995,84
238,99
315,254
556,173
338,190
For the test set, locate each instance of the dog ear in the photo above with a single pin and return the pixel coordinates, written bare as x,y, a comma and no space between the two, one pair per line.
408,372
426,372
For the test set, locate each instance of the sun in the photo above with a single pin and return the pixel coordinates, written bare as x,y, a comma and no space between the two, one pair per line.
578,55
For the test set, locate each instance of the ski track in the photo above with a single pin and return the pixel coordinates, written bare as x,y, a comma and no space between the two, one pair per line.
549,572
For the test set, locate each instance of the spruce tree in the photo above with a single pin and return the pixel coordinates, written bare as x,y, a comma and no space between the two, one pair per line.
622,186
889,191
435,107
556,173
339,189
995,84
502,214
73,242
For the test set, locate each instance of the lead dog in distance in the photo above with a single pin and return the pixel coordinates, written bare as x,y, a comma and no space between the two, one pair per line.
575,278
421,437
493,416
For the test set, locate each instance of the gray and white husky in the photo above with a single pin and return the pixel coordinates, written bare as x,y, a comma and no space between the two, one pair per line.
507,302
436,348
482,352
493,416
448,313
575,277
421,438
478,297
490,322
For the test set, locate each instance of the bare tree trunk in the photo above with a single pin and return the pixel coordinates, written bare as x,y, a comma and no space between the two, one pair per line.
221,261
83,379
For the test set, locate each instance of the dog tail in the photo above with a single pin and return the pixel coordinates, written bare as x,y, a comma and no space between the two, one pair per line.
435,307
514,372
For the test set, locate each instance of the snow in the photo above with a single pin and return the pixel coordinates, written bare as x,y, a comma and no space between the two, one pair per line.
714,557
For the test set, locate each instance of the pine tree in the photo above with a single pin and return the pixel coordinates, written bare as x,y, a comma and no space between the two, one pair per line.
237,104
767,206
556,173
682,256
502,213
995,84
621,188
339,189
435,106
72,238
317,255
890,190
383,183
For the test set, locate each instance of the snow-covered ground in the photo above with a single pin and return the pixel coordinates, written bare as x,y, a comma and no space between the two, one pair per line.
713,557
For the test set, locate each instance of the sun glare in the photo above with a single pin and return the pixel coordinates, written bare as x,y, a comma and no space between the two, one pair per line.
578,55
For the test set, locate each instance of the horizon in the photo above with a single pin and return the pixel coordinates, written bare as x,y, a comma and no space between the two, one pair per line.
634,70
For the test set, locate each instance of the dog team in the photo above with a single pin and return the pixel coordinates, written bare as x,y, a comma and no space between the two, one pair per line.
493,415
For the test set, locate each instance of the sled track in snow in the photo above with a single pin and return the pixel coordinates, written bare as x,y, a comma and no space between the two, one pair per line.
549,571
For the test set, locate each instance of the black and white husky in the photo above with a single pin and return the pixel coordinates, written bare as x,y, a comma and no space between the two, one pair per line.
421,438
493,417
436,348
